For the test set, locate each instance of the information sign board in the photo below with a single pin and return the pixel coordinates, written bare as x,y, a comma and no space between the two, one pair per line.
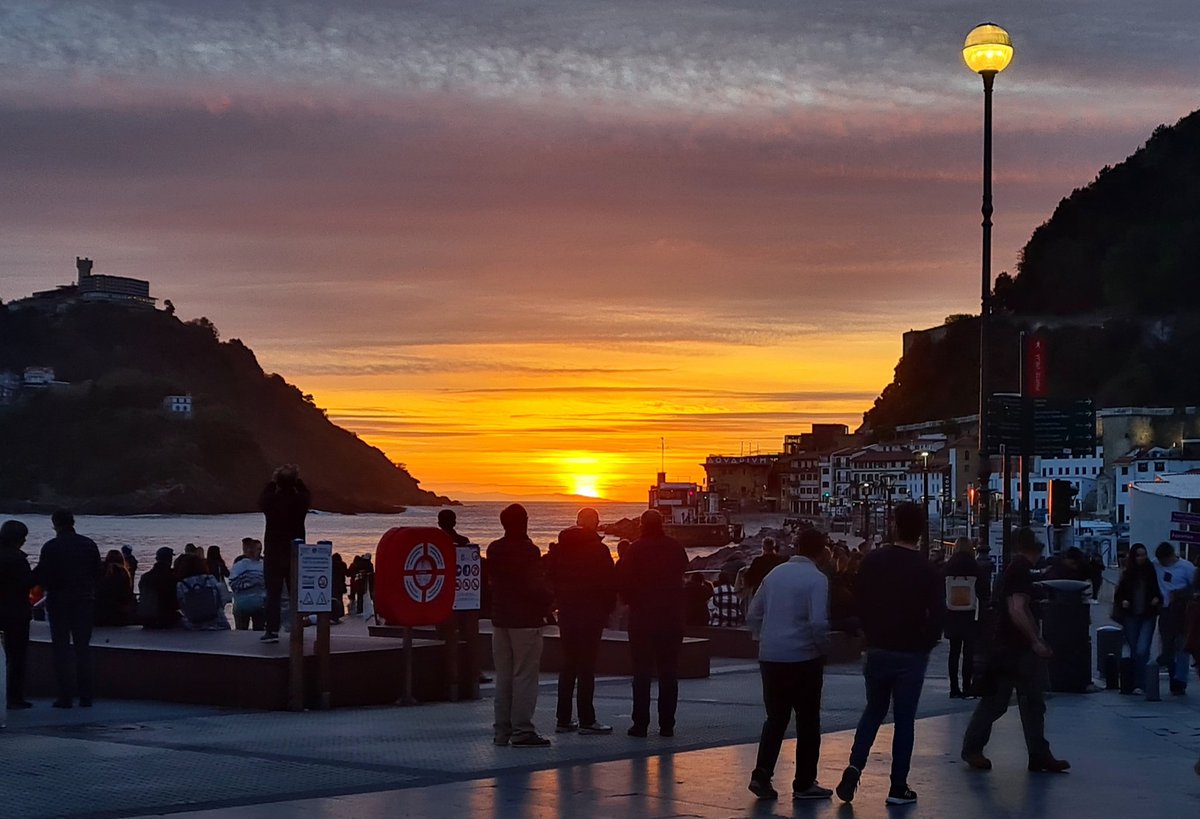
315,577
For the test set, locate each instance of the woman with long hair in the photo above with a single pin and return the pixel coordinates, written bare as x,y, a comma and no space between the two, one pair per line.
115,602
1136,603
962,623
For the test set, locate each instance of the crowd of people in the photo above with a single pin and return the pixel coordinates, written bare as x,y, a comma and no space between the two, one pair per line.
791,598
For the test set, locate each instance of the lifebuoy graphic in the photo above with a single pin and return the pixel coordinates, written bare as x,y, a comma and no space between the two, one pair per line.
424,572
415,569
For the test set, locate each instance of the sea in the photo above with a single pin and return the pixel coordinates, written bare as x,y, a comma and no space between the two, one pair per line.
351,534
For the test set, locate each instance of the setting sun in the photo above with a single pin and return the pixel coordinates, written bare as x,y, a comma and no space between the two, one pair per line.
586,486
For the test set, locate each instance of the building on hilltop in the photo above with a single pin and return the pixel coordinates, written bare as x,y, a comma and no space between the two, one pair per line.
89,287
178,406
38,377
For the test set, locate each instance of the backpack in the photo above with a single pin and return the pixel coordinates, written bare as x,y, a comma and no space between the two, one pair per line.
201,602
960,594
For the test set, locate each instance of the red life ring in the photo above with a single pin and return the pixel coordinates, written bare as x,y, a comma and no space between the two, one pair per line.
414,576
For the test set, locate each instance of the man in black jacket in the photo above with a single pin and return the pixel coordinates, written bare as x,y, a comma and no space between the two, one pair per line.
284,503
584,581
68,570
902,603
652,584
520,603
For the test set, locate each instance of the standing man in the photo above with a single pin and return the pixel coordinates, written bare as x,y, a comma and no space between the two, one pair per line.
284,503
584,580
520,602
652,585
68,570
902,603
461,625
762,565
1018,662
1176,577
790,618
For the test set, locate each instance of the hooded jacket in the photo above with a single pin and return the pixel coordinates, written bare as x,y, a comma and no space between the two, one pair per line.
520,593
652,582
583,577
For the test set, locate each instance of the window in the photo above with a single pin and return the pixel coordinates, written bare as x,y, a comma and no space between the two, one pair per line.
1124,470
1143,466
1158,466
1121,513
1039,486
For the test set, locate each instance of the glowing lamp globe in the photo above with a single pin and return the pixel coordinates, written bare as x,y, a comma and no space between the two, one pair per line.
988,48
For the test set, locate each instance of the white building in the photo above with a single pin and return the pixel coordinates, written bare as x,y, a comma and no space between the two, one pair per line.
1162,510
1083,472
38,377
1149,464
178,405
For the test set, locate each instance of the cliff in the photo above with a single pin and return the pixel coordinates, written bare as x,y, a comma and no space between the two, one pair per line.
101,443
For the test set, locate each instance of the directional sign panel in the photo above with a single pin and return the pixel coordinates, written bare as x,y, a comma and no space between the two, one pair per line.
1188,518
1184,537
315,570
1055,426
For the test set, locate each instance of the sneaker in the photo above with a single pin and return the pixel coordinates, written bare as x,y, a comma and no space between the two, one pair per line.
1178,690
531,741
849,784
637,731
901,796
977,761
1049,765
761,788
85,702
666,732
61,703
501,740
813,791
595,728
566,727
269,637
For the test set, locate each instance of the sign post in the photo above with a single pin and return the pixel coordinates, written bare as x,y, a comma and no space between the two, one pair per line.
311,593
463,624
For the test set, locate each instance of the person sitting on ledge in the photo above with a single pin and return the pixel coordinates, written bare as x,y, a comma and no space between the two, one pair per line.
114,592
157,604
200,596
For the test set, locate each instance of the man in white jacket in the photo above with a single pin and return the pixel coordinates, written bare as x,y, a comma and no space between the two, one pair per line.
790,617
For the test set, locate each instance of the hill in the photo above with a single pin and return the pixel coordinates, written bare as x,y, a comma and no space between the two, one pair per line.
1109,279
101,443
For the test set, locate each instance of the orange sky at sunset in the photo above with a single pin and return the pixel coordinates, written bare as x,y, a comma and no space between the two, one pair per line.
516,243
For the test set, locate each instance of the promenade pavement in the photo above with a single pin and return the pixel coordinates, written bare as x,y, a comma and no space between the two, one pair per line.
121,759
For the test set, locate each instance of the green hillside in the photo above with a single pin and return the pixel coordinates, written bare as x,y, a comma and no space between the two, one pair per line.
103,444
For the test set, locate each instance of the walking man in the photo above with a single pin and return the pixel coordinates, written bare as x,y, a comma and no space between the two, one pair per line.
1018,662
284,503
652,585
584,580
1176,577
68,570
520,602
790,618
902,604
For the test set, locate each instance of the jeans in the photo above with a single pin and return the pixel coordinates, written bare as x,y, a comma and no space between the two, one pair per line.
277,571
244,619
580,645
1025,673
517,653
1171,628
655,650
788,688
893,678
1139,636
71,622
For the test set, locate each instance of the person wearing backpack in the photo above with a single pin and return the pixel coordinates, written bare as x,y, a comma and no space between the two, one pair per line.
964,589
201,597
1136,604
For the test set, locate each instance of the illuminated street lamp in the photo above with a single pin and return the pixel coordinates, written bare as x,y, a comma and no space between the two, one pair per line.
924,456
987,51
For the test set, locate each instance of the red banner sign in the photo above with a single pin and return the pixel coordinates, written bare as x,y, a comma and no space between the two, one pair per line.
1036,381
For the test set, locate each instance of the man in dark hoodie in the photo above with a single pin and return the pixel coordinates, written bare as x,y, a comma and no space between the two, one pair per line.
284,503
520,602
583,577
652,585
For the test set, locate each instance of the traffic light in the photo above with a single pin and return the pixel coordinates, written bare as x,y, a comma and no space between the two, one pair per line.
1061,495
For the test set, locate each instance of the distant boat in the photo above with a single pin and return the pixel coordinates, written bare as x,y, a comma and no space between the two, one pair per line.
692,515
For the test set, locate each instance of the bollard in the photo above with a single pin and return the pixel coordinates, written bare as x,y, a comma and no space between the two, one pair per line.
1112,672
1153,686
3,679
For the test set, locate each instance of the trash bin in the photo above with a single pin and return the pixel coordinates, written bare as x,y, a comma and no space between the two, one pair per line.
1066,628
1109,640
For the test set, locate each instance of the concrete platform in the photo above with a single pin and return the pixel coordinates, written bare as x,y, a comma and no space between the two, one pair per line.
237,670
613,660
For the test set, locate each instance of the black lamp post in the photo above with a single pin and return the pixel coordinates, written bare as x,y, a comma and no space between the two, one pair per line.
987,51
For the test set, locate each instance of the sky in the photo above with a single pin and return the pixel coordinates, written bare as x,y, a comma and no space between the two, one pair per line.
521,244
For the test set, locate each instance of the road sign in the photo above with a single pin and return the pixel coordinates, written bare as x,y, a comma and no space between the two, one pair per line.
1184,537
315,576
1187,518
1056,426
468,580
1035,382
